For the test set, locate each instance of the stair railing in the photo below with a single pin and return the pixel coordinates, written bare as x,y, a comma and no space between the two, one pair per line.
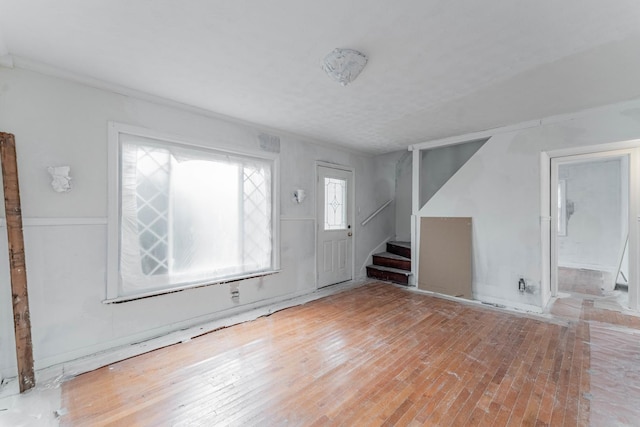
370,217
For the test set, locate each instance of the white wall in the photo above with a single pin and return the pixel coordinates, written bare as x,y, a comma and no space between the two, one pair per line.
379,190
500,188
439,164
394,183
60,122
404,176
594,235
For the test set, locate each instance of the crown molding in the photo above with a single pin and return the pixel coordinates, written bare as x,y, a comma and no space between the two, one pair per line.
558,118
52,71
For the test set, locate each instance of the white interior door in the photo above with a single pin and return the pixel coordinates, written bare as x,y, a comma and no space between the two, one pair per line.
335,233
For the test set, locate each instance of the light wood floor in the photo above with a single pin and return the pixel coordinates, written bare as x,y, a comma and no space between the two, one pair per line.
375,355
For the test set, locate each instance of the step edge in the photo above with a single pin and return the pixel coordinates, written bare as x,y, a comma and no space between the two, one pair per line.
385,255
399,243
390,269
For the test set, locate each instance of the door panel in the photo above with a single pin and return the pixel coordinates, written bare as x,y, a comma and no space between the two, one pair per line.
335,233
328,257
342,254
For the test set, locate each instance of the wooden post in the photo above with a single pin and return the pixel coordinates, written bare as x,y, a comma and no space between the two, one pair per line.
17,266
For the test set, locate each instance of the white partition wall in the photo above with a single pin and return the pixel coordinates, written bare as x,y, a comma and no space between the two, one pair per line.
504,187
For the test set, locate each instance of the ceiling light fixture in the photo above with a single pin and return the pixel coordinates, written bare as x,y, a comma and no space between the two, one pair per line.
344,65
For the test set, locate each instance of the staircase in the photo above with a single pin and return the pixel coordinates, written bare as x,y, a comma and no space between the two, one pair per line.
394,265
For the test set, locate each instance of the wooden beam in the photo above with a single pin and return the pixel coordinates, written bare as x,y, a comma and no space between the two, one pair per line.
17,265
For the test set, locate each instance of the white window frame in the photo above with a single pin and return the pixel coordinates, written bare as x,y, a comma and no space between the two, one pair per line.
115,130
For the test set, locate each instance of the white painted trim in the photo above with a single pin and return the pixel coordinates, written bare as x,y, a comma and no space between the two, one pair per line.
558,118
553,235
316,225
581,154
608,108
415,224
113,209
591,152
489,303
75,363
49,70
333,166
545,229
142,295
275,212
509,304
459,139
415,185
634,231
215,144
354,226
415,250
56,222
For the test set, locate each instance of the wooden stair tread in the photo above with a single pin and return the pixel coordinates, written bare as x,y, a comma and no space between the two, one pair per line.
389,269
392,265
402,244
392,256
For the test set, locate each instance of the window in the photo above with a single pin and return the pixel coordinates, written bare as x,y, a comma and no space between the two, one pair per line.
335,201
188,216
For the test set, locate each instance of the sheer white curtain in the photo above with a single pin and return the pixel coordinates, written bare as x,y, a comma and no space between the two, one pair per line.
191,216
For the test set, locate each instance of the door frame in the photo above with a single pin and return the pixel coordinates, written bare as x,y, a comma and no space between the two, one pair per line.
549,182
351,210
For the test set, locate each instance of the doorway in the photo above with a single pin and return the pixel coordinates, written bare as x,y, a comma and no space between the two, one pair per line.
590,224
334,215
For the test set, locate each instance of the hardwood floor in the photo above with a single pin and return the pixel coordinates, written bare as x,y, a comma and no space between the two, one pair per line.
375,355
588,282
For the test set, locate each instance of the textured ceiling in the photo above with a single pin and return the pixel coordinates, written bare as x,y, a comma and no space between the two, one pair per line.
436,68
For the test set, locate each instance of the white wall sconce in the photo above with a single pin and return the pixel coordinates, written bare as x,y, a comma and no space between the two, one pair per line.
299,195
61,182
344,65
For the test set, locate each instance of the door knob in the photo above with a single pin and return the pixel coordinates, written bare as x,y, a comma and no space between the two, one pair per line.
349,234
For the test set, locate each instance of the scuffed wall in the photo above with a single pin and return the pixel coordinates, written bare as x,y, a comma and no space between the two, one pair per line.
500,188
404,176
59,122
438,165
379,190
595,231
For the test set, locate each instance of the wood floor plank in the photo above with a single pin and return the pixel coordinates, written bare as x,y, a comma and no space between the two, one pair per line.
375,355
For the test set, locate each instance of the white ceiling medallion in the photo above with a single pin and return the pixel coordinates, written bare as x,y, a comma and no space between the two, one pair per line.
344,65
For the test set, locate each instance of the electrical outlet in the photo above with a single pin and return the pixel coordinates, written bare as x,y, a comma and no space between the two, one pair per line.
522,284
235,292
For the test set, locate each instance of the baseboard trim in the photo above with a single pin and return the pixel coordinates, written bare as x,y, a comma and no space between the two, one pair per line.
484,301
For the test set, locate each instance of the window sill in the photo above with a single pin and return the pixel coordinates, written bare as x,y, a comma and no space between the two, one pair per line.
150,294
